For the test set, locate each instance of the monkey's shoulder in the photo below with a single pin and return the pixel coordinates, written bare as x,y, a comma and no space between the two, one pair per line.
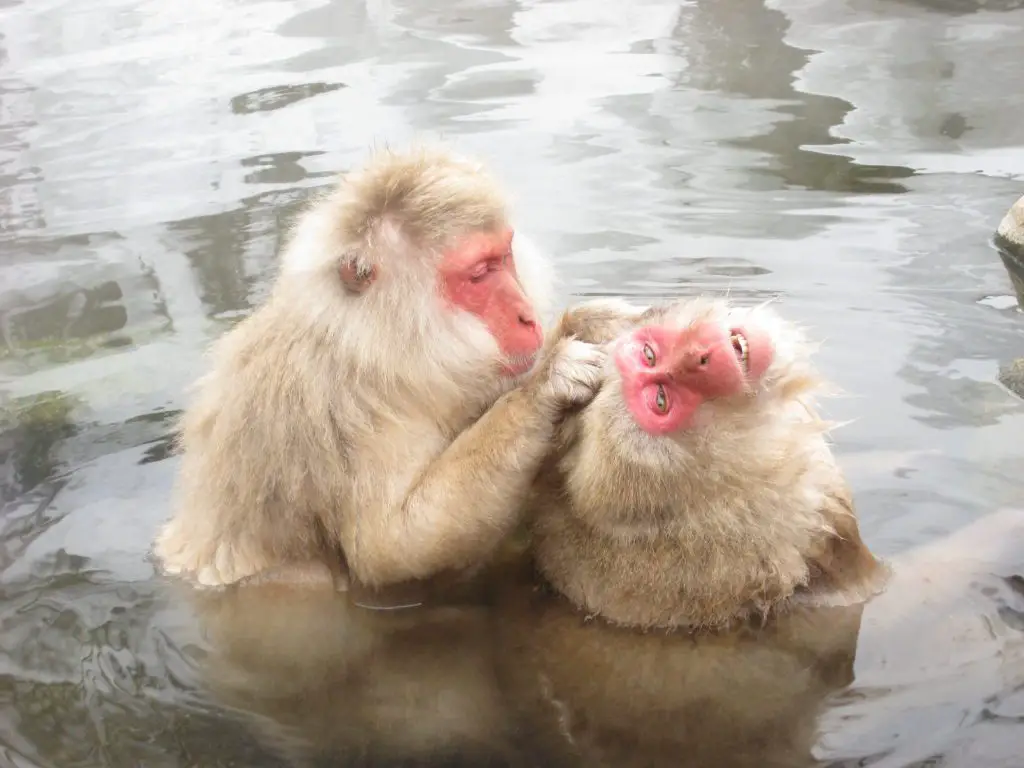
841,567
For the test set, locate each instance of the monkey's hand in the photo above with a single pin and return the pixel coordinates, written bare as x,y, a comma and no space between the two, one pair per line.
569,375
598,321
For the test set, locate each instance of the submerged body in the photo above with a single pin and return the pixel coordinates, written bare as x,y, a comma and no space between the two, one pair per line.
698,487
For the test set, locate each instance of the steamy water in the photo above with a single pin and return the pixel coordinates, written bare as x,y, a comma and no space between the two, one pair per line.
850,157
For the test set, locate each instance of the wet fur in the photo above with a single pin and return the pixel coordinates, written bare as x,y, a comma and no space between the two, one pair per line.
736,517
602,696
350,429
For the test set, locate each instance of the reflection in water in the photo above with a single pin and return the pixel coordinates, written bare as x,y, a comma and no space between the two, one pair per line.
361,687
930,649
232,253
31,430
19,203
741,49
75,315
278,97
611,697
59,305
848,158
967,6
117,687
523,682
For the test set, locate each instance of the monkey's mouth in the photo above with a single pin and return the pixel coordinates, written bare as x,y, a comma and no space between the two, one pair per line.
742,350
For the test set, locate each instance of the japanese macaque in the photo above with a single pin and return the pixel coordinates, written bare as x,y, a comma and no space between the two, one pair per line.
697,488
383,414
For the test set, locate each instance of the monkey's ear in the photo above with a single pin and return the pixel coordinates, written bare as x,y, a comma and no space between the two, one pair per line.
356,277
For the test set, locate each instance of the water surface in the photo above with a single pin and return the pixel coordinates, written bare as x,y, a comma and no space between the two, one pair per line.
850,157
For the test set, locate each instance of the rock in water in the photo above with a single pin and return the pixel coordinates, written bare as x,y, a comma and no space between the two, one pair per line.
1011,228
1010,241
1011,376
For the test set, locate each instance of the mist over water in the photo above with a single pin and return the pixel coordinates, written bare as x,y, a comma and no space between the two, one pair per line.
850,158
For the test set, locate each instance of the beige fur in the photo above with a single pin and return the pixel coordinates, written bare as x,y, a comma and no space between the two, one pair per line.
600,696
326,682
734,517
369,429
501,673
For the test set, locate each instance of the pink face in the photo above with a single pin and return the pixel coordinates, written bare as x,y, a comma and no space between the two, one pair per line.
668,372
479,276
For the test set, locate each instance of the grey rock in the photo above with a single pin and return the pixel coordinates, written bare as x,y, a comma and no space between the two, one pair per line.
1009,240
1011,376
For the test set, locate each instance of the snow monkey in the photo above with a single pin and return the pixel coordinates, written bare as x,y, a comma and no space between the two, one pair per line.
697,488
383,414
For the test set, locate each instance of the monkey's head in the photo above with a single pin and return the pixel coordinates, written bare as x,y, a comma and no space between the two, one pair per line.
698,369
417,246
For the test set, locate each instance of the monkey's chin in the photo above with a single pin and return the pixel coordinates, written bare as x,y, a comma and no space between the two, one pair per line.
514,366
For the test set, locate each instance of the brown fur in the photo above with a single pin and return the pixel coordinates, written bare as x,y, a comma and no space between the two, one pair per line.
601,696
339,425
326,681
741,514
503,674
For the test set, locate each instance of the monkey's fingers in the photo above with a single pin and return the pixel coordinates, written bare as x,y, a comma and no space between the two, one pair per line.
577,373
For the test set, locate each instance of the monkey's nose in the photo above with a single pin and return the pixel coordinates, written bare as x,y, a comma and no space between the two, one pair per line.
696,358
527,319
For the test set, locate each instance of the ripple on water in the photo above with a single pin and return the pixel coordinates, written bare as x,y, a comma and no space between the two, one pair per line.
848,160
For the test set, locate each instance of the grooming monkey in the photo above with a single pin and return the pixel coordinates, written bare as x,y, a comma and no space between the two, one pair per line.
697,488
383,414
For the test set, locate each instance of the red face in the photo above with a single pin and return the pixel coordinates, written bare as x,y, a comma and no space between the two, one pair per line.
479,276
668,372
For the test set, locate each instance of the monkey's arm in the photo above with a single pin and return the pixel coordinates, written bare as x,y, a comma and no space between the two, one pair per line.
463,503
598,321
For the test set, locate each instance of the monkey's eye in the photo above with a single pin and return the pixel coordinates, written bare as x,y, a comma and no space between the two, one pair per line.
648,354
661,401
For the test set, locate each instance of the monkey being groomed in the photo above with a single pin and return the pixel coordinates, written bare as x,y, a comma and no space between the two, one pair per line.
697,488
383,414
